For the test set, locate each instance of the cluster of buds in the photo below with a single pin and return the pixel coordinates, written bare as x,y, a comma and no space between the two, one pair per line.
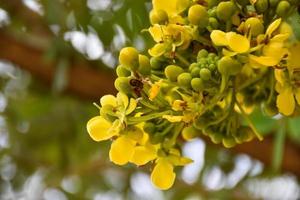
212,64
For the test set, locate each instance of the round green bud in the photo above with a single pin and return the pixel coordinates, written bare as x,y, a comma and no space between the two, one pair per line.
200,123
202,54
283,8
216,137
172,72
228,142
212,67
205,74
208,130
244,134
149,127
195,72
198,16
144,65
184,79
197,84
129,57
212,3
273,3
122,85
158,17
261,6
189,132
122,71
228,66
211,55
225,10
192,66
213,22
202,61
255,25
156,63
270,109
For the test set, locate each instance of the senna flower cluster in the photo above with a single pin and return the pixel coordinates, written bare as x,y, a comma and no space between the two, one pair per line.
212,64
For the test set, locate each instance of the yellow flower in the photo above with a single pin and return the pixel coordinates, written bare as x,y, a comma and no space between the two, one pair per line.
99,129
172,7
293,60
163,175
288,95
169,37
273,47
121,150
235,43
154,90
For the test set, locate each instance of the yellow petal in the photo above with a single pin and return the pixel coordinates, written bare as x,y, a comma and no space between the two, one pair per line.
275,50
280,37
272,27
264,60
297,95
157,32
172,118
121,150
143,155
228,53
108,100
122,100
135,133
219,38
154,90
171,7
131,107
294,58
158,50
286,102
162,175
237,43
279,76
98,129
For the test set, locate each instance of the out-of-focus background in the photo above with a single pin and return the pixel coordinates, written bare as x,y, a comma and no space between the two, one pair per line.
57,58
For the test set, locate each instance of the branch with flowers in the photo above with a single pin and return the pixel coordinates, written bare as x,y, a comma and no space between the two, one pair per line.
213,63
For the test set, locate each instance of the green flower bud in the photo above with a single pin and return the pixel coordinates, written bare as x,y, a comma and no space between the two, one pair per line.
158,17
273,3
212,67
190,132
122,85
202,61
228,66
261,6
129,57
149,127
192,66
144,65
216,137
225,10
244,134
212,3
195,72
122,71
202,54
156,63
270,109
184,79
205,74
104,112
198,16
255,25
172,72
197,84
213,22
228,142
212,12
283,8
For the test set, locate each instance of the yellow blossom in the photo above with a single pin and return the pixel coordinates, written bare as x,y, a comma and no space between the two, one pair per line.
98,129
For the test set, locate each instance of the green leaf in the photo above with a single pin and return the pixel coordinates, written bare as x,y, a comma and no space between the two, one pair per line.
264,124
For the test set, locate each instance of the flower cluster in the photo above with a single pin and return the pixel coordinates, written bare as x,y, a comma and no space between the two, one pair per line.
212,64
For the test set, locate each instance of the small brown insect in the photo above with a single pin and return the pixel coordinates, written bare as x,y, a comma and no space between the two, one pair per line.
137,86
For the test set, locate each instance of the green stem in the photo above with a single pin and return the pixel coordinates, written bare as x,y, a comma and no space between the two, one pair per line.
278,148
182,59
258,135
135,120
